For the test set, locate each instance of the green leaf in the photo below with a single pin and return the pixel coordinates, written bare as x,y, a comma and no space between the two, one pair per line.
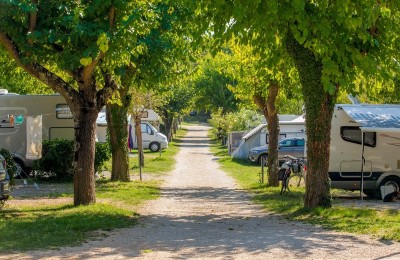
86,61
102,42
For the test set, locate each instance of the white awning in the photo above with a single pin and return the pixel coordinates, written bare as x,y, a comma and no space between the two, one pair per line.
374,118
253,131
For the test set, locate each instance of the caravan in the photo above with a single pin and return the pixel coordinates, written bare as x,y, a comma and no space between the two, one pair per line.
365,148
151,138
56,122
257,138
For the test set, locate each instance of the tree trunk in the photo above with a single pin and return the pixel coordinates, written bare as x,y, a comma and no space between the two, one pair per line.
85,107
271,115
117,124
139,139
319,107
168,120
84,148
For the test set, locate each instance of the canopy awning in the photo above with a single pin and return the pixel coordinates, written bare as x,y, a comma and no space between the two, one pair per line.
253,131
374,118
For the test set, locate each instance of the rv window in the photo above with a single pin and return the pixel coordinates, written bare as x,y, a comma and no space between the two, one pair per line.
63,111
353,134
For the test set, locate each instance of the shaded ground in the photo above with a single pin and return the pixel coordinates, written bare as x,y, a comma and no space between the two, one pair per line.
203,214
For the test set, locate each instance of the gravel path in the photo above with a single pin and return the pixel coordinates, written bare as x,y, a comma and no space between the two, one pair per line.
203,214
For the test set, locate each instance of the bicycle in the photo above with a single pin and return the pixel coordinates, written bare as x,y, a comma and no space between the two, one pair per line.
292,174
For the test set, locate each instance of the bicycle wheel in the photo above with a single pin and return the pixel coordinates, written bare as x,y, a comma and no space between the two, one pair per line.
296,183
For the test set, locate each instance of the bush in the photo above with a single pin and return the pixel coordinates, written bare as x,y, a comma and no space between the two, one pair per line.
58,156
242,120
10,162
103,154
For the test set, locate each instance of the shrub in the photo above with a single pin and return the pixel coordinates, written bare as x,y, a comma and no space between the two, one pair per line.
103,154
10,162
241,120
58,156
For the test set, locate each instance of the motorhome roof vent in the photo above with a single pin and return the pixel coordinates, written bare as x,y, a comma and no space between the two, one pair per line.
3,91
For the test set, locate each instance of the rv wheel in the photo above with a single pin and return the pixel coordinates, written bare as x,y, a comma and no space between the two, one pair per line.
391,182
154,147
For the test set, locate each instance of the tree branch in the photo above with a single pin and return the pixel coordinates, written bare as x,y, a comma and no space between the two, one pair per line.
111,16
38,71
110,86
87,72
32,21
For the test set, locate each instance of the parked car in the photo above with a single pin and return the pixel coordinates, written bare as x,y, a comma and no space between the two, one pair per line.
288,146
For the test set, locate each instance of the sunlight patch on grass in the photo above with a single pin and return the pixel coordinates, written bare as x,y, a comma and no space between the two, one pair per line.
29,228
381,224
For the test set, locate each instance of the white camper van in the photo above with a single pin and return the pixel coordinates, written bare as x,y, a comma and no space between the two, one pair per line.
369,133
57,122
151,138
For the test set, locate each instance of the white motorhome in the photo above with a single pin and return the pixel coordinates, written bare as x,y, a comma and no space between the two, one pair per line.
369,133
57,122
151,138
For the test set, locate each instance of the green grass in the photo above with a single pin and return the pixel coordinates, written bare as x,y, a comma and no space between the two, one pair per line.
54,226
45,227
382,224
132,193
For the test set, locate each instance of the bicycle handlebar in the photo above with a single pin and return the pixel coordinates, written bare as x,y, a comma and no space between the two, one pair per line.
290,157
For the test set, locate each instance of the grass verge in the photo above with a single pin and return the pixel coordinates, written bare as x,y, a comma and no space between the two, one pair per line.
50,227
45,227
382,224
36,227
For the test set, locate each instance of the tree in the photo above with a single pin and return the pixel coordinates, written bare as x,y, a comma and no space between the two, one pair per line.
176,99
261,85
212,84
73,46
161,50
330,43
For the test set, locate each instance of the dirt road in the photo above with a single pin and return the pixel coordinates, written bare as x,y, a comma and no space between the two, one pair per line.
202,214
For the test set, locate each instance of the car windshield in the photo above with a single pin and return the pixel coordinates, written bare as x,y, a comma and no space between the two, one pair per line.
286,143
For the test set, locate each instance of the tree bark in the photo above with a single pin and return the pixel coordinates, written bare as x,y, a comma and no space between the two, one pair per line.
168,120
271,115
84,148
319,107
117,124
